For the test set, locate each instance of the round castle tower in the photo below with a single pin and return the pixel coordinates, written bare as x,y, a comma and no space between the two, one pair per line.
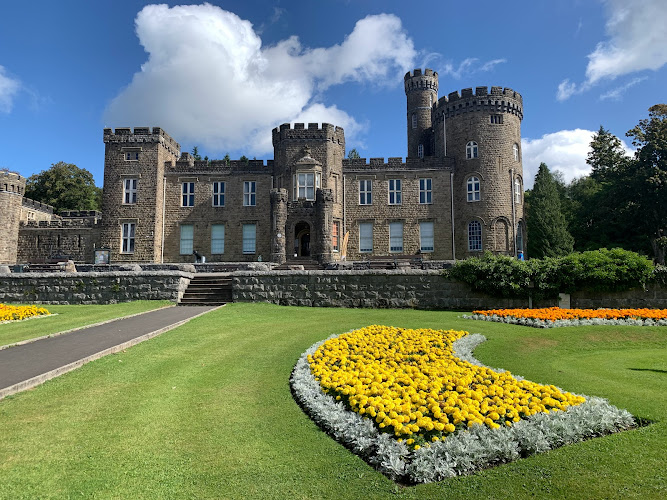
12,188
482,132
421,90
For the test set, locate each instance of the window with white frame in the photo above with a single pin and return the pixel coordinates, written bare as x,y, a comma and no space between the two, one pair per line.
249,194
365,192
249,238
396,236
217,239
305,185
127,237
425,191
129,191
187,239
414,121
515,150
517,190
218,194
474,236
132,156
395,197
31,215
473,189
188,192
335,236
426,236
365,237
471,150
420,150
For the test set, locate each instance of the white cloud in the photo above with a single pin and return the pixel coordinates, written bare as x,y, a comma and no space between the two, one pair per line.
468,66
9,87
209,80
617,93
565,150
637,41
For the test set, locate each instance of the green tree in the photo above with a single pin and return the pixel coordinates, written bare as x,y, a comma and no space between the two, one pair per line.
195,153
353,154
547,229
65,187
649,176
606,157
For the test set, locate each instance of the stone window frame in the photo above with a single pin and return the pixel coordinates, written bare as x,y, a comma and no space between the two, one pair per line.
335,236
519,237
217,243
496,119
363,245
518,190
473,189
426,190
187,194
131,155
425,248
515,151
395,191
420,151
130,185
394,236
297,186
475,233
31,215
365,191
128,234
187,243
219,190
249,193
247,240
472,150
414,121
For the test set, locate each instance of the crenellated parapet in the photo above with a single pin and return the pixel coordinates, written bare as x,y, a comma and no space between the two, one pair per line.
12,182
141,135
36,205
418,80
495,100
395,163
187,164
312,132
61,223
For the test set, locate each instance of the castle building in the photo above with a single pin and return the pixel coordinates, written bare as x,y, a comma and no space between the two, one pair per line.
458,192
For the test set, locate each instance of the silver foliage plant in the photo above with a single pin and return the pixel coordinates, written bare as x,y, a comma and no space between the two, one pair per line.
463,452
539,323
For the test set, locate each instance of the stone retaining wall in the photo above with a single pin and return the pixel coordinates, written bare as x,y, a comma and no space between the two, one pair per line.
92,288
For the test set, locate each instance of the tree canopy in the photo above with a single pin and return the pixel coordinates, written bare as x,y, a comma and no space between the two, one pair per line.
353,154
65,187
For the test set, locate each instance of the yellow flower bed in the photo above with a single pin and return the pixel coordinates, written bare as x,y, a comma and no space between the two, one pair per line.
16,313
411,384
556,313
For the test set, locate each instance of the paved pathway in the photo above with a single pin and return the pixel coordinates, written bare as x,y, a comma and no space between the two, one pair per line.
25,366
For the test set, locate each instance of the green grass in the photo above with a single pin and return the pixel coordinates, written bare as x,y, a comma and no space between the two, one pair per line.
205,411
68,317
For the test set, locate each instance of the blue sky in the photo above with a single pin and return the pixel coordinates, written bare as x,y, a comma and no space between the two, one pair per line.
221,75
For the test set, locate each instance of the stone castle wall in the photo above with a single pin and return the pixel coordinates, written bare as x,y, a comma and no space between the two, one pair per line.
12,187
74,239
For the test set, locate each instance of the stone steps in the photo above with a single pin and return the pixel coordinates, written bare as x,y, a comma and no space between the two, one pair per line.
207,290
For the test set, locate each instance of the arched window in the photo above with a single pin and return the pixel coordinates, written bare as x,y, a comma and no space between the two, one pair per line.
473,189
471,150
519,238
517,190
515,149
474,236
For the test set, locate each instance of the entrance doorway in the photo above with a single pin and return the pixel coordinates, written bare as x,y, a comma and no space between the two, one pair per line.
302,239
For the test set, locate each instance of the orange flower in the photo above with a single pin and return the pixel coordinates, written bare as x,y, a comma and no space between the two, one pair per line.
556,313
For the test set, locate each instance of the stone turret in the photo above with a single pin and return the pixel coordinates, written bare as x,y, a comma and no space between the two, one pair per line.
12,187
421,90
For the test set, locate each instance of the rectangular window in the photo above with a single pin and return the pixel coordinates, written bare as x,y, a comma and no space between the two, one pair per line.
218,194
129,191
496,119
395,236
395,191
217,239
426,236
132,156
187,237
188,191
306,185
365,237
127,238
425,190
420,150
335,239
249,194
365,193
249,238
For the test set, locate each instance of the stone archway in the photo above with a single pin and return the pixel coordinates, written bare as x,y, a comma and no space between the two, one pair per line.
302,239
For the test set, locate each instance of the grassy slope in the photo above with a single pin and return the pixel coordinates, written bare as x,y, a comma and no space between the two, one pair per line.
205,411
68,317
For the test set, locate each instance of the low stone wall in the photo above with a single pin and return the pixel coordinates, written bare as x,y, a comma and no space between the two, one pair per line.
92,288
654,297
373,289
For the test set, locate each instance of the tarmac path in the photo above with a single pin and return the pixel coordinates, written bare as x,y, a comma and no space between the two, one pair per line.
28,365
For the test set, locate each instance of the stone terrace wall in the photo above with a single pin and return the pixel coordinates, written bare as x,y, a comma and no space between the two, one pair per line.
373,288
92,288
654,297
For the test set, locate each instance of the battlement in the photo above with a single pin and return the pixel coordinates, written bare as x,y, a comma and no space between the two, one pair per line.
141,135
496,100
80,214
11,182
395,163
37,205
314,132
416,81
60,224
186,163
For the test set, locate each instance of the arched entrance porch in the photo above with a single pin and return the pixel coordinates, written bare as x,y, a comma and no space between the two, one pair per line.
302,239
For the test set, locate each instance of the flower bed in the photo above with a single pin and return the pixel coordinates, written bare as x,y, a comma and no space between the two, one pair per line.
416,405
551,317
17,313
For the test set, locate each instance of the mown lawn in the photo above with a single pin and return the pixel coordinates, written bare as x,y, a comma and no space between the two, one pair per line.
205,411
69,317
